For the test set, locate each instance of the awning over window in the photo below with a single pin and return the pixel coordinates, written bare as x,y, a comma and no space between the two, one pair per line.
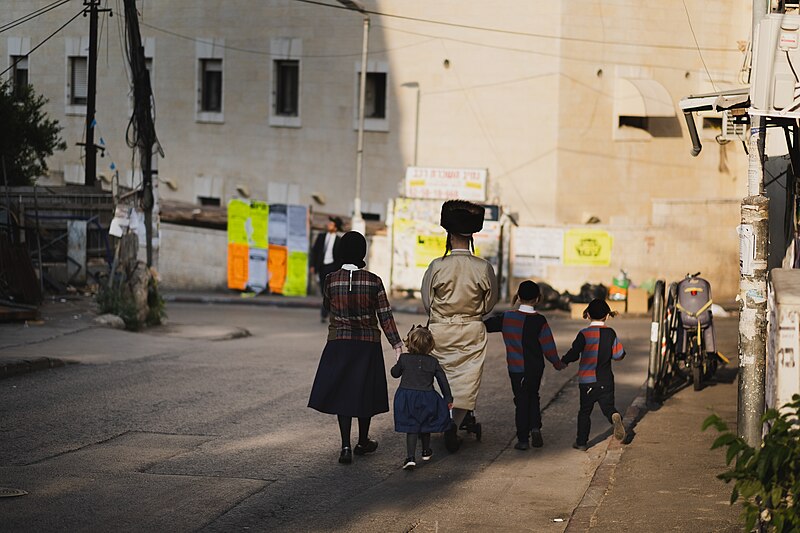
639,97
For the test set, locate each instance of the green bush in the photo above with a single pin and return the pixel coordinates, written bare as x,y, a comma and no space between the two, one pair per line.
766,479
119,302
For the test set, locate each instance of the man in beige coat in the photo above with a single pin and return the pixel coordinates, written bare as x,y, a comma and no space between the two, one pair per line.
457,290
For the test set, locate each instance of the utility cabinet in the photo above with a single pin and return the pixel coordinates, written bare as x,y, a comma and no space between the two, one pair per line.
783,341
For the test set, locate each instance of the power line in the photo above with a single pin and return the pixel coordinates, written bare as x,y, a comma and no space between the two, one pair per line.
524,34
32,50
697,45
263,53
32,15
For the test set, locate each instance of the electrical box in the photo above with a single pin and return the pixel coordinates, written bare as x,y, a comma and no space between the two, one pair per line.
776,66
783,338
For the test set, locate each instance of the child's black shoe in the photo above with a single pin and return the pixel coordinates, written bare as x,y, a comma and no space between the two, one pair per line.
581,447
536,439
409,463
521,445
619,427
427,454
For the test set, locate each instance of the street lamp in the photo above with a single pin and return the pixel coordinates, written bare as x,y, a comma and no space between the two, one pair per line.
357,223
415,85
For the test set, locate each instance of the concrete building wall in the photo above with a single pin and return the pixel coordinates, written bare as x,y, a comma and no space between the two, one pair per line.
193,258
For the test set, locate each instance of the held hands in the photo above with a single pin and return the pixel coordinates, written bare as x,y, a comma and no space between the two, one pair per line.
450,406
398,350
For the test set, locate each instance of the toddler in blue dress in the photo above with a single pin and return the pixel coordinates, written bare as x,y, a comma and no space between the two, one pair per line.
418,409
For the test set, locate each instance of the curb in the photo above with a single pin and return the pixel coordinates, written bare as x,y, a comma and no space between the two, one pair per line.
581,519
271,302
16,367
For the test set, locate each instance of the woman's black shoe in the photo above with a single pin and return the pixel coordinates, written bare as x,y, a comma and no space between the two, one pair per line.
363,449
346,457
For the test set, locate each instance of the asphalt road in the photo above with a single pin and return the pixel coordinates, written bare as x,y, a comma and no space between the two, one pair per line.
162,432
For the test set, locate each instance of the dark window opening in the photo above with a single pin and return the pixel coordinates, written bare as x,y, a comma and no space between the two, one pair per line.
375,95
371,216
208,200
634,122
287,87
19,76
211,90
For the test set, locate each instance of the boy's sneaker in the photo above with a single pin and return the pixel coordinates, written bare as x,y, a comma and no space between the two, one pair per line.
427,454
346,457
409,463
581,447
536,439
368,447
521,445
619,427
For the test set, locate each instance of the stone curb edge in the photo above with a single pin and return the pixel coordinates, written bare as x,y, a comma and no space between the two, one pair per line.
581,519
15,367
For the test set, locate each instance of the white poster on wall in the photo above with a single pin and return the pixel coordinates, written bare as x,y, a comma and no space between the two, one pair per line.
533,248
446,183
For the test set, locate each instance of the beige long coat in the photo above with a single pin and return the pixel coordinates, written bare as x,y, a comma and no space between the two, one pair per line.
457,290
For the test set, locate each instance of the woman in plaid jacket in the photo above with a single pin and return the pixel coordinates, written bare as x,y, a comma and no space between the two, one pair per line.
351,377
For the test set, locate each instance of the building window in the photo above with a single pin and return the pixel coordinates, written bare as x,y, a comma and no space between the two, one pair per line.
287,87
78,79
286,95
375,95
19,74
208,200
211,85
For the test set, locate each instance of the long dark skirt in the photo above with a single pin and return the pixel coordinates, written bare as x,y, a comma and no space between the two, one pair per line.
350,380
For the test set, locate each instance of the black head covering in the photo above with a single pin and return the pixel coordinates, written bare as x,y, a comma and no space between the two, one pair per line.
462,217
353,249
528,290
598,309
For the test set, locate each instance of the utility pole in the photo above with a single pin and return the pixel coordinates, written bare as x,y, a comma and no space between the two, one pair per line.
753,251
92,9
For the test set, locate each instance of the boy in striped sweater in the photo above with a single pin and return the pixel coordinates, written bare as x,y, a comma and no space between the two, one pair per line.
528,341
596,346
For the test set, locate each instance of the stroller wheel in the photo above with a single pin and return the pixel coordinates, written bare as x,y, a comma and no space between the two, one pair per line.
478,431
468,422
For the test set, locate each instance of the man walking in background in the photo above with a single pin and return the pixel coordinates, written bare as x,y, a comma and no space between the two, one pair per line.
324,256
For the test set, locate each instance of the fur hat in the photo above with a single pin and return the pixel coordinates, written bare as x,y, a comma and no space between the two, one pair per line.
353,249
462,217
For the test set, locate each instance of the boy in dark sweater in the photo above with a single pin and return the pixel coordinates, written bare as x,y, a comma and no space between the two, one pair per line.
596,346
528,341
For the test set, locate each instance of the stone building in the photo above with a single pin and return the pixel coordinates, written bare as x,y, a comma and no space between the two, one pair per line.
571,106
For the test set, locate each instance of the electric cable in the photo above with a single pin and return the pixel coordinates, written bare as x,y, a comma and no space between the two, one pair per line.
519,33
32,50
32,15
697,45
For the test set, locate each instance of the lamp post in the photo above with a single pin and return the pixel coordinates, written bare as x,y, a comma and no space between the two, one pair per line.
357,223
415,85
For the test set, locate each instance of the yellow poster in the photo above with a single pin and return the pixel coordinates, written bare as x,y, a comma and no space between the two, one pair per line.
238,259
429,247
587,247
259,218
238,213
296,274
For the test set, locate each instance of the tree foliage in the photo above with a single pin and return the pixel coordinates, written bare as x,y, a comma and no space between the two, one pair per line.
766,479
27,135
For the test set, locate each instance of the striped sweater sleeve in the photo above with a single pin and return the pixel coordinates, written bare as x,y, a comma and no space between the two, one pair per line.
548,344
574,353
617,351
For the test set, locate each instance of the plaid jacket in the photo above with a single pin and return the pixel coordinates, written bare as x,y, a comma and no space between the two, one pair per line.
356,307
